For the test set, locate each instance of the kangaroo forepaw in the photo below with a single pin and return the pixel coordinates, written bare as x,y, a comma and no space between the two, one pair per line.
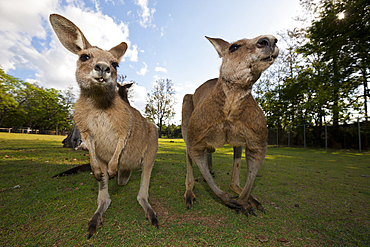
189,199
98,174
112,174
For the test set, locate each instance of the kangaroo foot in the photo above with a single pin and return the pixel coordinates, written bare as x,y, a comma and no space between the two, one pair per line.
189,198
230,201
256,204
150,215
94,222
247,208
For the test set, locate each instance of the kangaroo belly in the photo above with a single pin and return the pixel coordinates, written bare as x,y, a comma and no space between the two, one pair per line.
109,125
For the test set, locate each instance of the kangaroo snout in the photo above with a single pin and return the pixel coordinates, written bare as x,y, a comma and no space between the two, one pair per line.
268,46
102,71
267,42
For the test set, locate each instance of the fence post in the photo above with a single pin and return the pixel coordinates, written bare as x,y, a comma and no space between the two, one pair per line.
304,136
326,136
277,137
288,136
359,134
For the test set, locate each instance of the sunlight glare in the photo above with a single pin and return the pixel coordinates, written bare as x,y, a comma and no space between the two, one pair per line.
341,15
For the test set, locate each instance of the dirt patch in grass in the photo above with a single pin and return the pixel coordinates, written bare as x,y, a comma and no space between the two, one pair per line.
166,216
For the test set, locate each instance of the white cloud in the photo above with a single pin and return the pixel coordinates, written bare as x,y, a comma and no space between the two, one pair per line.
133,53
97,4
113,2
156,77
178,88
143,70
146,14
138,100
160,69
22,28
189,84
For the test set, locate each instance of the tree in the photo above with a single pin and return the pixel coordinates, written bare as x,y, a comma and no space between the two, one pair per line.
342,47
357,32
8,86
23,104
159,107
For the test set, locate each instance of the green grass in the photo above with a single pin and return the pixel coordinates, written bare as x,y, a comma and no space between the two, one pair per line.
312,197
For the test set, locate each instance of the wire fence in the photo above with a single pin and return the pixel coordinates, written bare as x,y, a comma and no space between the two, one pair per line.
348,136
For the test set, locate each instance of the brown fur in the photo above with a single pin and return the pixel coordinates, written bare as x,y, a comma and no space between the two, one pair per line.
123,91
119,139
223,111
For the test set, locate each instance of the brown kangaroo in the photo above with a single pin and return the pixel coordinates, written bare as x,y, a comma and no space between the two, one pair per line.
223,111
119,139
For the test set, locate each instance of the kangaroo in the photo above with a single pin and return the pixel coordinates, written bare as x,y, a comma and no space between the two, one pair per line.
223,111
119,139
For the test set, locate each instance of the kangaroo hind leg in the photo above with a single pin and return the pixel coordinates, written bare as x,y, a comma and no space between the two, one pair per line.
103,203
148,163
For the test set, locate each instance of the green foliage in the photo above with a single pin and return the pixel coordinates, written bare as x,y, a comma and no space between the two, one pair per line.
322,71
171,131
28,105
8,85
312,197
159,107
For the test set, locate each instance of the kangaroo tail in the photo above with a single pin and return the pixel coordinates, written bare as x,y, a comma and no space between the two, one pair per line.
77,169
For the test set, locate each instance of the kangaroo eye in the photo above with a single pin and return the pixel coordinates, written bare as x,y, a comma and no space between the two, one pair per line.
84,57
234,47
115,65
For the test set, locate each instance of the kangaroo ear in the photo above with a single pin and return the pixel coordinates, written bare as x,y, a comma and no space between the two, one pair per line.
219,44
119,50
68,34
128,85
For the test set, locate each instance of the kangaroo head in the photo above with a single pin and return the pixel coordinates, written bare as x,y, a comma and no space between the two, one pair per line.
123,91
96,68
243,61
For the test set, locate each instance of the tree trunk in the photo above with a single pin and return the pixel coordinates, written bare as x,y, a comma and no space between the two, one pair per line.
160,128
365,92
335,92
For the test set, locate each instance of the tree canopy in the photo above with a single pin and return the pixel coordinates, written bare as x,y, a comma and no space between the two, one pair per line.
322,75
160,101
23,104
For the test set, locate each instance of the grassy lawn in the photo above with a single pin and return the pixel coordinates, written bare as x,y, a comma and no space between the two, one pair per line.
312,197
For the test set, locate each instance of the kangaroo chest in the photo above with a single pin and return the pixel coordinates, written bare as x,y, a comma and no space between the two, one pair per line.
237,123
104,125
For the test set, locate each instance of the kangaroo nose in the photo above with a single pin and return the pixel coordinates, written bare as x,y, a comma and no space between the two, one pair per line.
102,68
265,42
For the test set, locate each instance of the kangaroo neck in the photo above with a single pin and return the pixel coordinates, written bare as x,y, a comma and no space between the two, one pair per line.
232,97
235,90
101,99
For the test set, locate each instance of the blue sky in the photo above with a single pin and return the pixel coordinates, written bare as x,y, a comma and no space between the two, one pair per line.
165,38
